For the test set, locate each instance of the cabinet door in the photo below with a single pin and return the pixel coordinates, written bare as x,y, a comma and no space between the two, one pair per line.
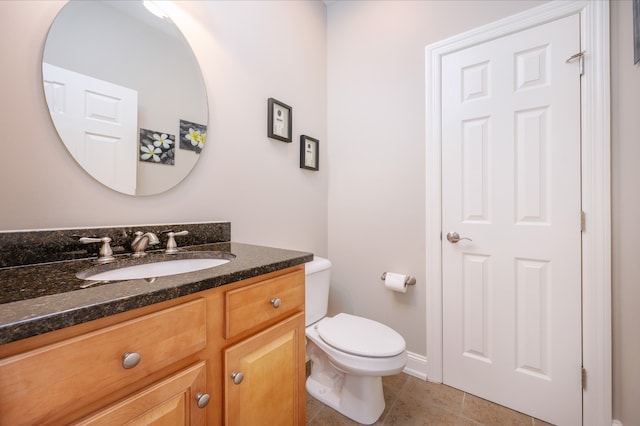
170,402
271,391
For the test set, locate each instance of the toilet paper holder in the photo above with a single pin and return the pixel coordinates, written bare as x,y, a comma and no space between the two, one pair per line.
409,280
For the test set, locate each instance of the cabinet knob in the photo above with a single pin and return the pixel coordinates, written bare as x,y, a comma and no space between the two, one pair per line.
202,399
130,359
276,302
237,377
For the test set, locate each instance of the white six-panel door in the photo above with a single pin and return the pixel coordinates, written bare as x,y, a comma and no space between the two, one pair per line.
98,122
511,185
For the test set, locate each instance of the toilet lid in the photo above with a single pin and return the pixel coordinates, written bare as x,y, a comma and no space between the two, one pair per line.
360,336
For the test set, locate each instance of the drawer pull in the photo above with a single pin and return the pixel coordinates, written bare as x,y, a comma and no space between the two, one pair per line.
130,359
202,399
237,377
276,302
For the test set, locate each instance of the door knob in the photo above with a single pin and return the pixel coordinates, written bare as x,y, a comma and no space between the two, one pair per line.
454,237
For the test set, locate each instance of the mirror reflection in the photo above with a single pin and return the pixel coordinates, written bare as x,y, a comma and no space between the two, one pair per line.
125,94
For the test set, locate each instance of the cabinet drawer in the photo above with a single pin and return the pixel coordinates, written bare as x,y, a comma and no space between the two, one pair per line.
251,306
78,371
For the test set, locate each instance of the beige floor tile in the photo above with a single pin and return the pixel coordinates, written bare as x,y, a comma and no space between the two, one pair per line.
434,394
313,407
408,411
329,417
414,402
538,422
488,413
394,384
463,421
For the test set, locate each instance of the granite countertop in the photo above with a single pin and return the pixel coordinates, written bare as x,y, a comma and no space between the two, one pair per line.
39,298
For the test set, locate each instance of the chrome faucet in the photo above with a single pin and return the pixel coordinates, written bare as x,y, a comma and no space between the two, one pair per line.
141,241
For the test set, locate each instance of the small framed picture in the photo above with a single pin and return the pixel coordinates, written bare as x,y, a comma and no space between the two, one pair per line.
279,121
309,153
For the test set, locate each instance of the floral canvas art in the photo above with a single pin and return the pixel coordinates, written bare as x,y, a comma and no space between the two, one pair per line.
157,147
192,136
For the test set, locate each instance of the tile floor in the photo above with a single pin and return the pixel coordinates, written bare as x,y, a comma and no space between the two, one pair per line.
412,402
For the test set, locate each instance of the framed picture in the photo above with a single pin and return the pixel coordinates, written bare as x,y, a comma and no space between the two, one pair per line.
279,120
309,153
192,136
157,147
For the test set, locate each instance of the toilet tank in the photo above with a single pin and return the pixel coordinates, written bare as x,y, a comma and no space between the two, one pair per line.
317,281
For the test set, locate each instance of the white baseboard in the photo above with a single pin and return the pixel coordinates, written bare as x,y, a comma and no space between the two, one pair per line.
616,423
416,365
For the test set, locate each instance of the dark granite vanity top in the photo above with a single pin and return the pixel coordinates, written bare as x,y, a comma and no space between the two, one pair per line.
38,298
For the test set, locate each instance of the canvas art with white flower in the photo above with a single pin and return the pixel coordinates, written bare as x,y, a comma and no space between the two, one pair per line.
192,136
157,147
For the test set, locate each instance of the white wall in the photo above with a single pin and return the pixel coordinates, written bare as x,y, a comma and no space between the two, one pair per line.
249,51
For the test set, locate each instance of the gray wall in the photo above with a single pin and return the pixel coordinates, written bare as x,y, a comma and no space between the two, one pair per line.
625,125
376,114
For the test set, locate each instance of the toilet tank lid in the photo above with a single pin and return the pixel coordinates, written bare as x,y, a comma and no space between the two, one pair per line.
316,265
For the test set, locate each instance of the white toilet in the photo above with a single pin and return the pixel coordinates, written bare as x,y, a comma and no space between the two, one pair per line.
349,354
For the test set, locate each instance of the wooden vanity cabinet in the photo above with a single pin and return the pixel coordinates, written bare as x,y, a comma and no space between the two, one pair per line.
264,372
186,345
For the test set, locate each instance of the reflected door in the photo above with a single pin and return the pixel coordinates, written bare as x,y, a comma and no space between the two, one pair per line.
98,123
511,185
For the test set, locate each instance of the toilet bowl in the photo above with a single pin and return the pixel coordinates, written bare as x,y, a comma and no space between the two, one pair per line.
349,354
349,350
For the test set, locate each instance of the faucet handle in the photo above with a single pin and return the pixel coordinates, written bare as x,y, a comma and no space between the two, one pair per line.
105,253
172,247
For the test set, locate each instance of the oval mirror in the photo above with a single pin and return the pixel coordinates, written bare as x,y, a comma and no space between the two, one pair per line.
125,94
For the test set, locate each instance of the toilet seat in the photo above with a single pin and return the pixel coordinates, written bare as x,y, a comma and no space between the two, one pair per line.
360,336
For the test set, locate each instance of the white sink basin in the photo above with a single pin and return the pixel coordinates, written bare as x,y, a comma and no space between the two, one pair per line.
150,269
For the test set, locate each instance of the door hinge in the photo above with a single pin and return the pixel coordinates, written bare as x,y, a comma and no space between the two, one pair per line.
579,56
584,378
583,221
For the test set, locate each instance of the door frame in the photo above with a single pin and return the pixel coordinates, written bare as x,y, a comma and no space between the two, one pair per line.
595,193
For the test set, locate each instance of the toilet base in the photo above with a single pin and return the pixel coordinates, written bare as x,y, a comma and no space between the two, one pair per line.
358,397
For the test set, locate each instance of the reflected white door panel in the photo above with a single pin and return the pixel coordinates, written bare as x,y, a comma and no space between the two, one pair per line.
98,122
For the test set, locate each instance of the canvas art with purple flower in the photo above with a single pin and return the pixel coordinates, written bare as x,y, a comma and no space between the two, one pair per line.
192,136
157,147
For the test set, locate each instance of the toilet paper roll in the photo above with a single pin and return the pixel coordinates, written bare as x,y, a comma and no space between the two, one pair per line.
395,282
